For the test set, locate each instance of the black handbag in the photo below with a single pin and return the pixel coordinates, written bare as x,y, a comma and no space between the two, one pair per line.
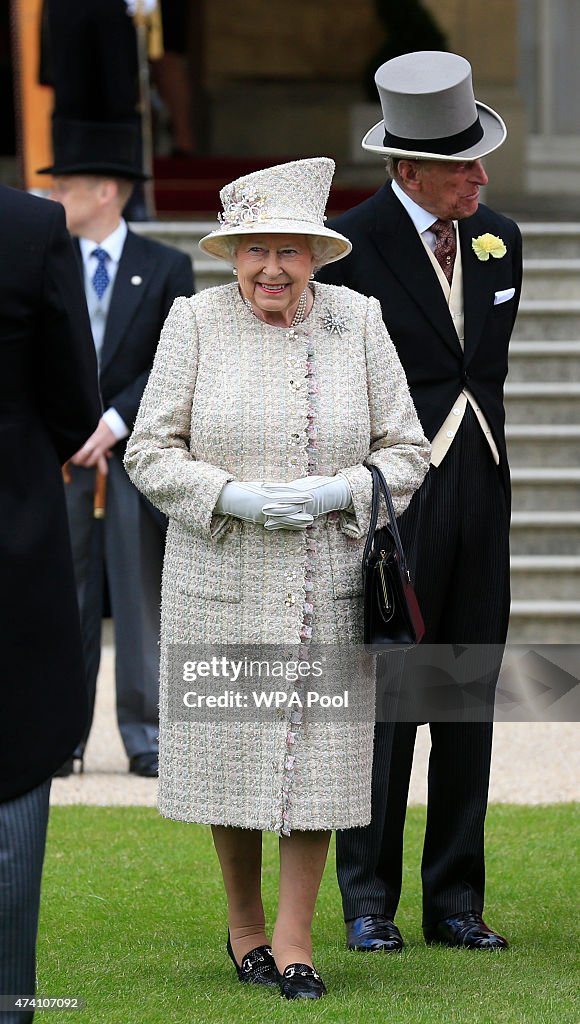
392,617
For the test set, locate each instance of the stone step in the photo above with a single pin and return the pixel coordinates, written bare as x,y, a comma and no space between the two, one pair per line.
545,577
210,272
542,444
544,622
544,361
183,235
546,241
547,319
551,270
542,241
551,279
545,533
551,402
545,489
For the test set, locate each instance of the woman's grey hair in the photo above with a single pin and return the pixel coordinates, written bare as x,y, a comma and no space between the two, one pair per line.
322,249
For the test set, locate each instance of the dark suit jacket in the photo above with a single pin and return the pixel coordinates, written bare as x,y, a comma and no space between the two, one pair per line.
136,315
389,261
49,405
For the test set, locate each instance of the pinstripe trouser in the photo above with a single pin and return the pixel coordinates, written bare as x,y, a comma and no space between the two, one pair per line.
456,536
23,824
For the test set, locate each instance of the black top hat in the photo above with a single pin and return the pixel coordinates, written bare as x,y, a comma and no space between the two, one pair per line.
96,147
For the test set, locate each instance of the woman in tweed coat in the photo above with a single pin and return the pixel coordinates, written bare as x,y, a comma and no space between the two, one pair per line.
266,397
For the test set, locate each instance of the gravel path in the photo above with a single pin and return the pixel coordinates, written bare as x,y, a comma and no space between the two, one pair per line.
533,763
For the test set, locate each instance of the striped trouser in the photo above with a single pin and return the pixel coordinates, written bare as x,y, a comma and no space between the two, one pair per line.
23,824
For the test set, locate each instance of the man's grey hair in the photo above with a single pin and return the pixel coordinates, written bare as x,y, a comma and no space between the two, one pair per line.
391,166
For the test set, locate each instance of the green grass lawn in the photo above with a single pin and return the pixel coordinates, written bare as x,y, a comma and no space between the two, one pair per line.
133,921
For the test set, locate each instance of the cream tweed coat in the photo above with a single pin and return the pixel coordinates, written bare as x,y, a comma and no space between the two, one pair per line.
233,398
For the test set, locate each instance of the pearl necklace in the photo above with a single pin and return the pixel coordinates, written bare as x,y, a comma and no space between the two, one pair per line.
298,316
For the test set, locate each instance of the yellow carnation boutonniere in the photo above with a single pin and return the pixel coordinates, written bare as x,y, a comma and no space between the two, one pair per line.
488,245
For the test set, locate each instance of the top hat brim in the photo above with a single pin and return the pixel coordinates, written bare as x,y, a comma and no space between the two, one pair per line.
106,169
494,134
215,243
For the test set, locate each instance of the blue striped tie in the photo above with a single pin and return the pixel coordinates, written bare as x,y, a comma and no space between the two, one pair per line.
101,276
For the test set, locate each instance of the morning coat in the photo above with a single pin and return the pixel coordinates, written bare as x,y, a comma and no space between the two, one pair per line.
49,405
388,260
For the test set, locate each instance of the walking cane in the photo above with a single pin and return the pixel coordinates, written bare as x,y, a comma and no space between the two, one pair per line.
100,498
100,495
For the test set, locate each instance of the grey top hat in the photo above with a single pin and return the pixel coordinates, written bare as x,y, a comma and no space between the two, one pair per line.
430,112
288,199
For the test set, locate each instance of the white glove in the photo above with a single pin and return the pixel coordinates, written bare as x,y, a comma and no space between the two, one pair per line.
145,6
274,506
326,493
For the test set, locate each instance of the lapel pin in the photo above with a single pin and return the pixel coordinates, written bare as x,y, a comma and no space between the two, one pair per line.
136,279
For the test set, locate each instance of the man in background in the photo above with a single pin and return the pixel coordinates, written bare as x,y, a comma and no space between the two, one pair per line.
49,404
447,272
130,284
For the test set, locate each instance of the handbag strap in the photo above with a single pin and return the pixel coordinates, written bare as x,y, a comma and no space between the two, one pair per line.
381,485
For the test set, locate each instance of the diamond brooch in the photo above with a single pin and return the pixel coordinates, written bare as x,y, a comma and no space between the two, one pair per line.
334,323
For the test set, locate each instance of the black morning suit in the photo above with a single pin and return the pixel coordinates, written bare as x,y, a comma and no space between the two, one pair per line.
49,405
148,279
456,534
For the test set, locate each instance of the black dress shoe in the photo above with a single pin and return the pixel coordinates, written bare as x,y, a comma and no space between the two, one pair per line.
373,934
299,981
257,967
71,766
468,930
146,765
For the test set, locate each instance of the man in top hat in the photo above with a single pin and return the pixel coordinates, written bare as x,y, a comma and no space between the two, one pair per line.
447,271
130,283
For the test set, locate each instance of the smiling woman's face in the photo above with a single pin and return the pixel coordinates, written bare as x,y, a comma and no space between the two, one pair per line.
273,271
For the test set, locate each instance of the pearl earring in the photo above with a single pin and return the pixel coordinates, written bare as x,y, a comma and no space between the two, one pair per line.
234,272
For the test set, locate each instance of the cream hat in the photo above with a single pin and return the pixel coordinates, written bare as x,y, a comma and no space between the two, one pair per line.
288,199
430,112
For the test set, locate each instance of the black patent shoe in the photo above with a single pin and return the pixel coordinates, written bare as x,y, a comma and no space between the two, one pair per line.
299,981
373,933
145,765
468,930
257,967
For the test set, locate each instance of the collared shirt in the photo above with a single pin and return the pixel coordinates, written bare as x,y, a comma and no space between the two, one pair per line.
423,221
98,309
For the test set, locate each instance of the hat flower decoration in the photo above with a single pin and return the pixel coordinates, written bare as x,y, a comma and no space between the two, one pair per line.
488,245
245,210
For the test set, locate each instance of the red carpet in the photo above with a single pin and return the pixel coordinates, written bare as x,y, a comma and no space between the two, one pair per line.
191,187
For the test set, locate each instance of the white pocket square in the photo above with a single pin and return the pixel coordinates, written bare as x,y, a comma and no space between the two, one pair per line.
503,296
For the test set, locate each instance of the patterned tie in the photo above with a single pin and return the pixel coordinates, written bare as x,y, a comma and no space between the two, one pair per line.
445,247
101,276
